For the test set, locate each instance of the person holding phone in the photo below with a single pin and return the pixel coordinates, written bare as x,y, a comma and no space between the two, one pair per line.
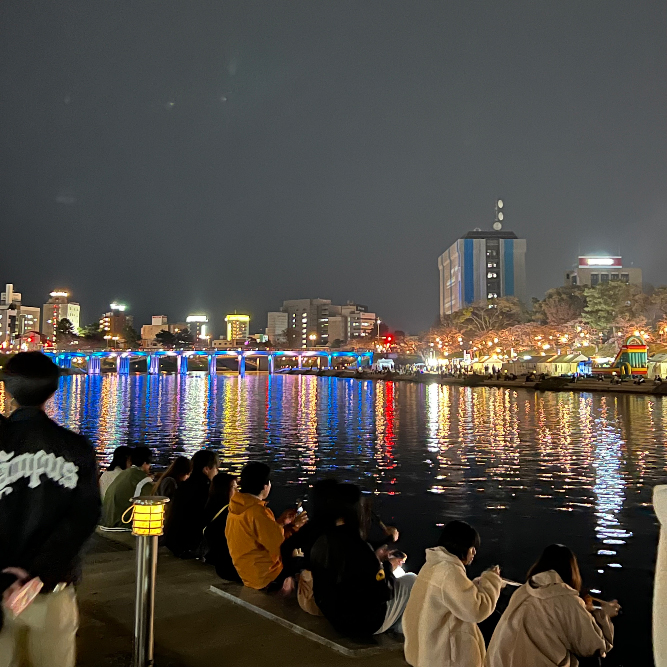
49,507
440,621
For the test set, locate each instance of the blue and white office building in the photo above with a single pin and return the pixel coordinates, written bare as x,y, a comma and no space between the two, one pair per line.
481,266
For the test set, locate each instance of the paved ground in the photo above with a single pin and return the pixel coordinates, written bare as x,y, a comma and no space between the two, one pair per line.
193,627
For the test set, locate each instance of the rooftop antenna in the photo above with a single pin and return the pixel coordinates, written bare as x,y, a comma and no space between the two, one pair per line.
498,224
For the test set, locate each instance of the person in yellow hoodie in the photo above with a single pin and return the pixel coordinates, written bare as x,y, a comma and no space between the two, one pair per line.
253,535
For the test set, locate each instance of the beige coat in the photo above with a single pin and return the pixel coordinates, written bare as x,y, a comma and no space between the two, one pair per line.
660,585
548,626
440,620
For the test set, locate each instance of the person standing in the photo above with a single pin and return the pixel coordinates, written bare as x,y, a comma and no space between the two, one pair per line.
440,620
120,461
133,482
660,585
49,506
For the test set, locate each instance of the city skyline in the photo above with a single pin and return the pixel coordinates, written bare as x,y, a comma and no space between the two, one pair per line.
246,152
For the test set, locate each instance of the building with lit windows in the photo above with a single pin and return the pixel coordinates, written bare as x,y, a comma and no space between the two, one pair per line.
158,323
197,326
318,322
238,327
276,327
592,271
16,320
114,322
481,266
57,308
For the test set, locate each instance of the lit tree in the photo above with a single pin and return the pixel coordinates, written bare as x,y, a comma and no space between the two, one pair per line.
560,305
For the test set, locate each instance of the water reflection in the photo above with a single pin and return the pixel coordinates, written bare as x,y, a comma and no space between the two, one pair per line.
579,454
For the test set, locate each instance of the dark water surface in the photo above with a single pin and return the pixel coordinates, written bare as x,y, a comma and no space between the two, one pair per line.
525,468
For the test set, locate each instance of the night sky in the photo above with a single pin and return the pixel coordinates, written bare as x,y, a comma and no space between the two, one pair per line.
210,156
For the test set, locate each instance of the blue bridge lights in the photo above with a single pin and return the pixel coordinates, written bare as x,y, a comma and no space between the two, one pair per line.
92,361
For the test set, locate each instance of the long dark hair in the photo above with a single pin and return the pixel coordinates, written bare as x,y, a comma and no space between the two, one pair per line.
178,469
347,505
120,456
219,494
560,558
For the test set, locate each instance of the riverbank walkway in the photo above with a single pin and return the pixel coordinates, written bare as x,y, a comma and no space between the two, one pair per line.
194,626
553,383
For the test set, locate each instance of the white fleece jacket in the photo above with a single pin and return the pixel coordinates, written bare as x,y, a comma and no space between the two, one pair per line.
546,624
660,585
440,620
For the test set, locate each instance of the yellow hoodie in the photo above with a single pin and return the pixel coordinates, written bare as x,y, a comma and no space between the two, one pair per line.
254,540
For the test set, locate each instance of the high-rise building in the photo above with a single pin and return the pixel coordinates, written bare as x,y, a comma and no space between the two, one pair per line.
16,320
238,327
114,322
57,308
308,319
276,328
360,323
318,322
197,327
481,266
592,271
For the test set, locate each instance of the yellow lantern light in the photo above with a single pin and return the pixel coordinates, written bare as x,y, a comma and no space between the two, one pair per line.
148,515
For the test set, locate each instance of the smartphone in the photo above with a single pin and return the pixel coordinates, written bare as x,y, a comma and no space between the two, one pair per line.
299,506
23,597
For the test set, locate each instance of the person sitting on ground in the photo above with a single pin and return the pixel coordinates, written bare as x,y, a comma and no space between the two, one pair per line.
440,621
178,471
253,535
216,551
185,523
49,506
119,462
130,483
295,549
547,622
353,586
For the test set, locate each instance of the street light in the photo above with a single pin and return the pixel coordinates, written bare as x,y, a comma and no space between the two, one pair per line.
147,525
379,322
107,338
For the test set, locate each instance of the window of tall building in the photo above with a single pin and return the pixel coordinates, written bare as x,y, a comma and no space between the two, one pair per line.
614,276
625,277
604,277
595,278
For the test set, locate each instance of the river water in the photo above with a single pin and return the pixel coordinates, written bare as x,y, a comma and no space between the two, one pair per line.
525,468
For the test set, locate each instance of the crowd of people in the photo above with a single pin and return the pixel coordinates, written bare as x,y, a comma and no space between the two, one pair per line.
51,500
328,559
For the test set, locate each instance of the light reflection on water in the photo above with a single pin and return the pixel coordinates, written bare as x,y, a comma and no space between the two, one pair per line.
583,462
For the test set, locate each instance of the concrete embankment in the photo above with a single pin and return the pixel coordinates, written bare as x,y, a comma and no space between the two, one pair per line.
193,627
550,384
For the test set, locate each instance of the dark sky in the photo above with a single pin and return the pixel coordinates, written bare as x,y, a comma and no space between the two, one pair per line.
184,156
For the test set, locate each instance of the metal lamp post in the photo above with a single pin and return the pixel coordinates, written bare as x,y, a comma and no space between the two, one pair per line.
147,525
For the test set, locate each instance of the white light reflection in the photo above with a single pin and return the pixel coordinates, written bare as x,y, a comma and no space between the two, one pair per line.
609,486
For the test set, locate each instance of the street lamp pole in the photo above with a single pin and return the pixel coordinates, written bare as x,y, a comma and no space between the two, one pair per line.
379,322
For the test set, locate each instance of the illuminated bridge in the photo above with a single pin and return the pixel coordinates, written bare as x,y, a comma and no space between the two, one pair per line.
94,362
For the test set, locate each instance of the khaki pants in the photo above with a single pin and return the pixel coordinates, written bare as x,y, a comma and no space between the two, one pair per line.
44,635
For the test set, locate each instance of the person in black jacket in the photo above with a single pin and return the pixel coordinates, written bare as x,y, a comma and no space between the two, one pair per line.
353,585
216,551
49,507
186,518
